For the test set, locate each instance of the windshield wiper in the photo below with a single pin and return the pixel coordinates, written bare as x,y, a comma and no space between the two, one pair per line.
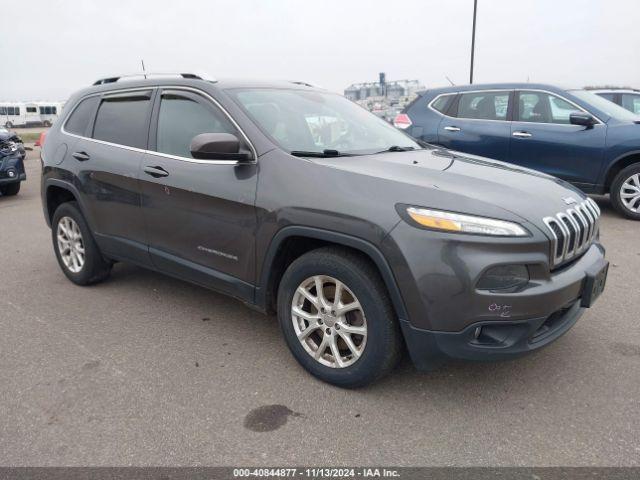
397,148
326,153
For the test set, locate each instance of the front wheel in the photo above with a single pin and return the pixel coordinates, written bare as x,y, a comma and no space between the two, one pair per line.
10,189
8,124
625,192
337,318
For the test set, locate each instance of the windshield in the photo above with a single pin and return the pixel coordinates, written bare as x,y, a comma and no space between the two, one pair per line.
610,108
311,121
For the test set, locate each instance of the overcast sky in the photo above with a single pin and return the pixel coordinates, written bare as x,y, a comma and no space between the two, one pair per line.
56,47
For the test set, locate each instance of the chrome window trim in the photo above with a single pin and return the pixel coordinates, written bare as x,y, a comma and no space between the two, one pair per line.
600,122
153,152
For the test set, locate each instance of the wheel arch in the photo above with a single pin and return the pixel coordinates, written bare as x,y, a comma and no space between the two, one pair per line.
275,262
619,164
57,192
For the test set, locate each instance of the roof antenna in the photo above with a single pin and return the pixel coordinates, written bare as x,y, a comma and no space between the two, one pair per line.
452,84
144,72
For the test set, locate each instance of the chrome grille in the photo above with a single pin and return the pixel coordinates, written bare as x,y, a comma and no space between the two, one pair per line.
573,230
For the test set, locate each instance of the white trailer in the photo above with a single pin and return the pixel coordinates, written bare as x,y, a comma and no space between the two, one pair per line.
26,114
49,112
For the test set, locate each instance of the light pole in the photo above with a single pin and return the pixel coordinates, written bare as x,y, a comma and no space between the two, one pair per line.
473,39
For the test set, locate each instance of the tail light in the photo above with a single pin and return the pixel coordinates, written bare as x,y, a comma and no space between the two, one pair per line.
40,141
402,121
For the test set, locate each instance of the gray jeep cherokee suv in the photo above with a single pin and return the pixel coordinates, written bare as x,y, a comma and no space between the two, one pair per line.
299,202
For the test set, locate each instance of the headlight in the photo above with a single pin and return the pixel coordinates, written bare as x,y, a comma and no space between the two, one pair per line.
456,222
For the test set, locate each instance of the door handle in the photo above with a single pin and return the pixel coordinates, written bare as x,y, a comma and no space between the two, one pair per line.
81,156
522,134
156,172
452,128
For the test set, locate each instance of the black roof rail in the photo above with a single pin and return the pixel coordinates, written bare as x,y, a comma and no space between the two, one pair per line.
304,84
612,88
103,81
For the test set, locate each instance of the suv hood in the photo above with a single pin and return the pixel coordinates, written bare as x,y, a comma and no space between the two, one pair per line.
458,182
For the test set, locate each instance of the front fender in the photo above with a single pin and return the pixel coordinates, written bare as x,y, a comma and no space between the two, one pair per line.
337,238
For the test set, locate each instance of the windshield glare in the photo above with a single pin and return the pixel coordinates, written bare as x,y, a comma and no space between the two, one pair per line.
312,121
610,108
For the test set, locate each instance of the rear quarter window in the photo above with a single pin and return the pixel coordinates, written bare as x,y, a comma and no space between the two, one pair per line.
441,104
81,116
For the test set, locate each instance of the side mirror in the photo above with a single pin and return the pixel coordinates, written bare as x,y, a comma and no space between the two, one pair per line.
581,118
217,146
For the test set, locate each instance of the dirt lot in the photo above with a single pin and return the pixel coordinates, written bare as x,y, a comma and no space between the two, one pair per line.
147,370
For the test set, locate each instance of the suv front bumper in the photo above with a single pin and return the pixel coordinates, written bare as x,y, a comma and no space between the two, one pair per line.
12,169
449,317
495,341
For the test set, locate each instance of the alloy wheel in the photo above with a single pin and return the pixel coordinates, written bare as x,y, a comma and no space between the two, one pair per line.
70,244
630,193
329,321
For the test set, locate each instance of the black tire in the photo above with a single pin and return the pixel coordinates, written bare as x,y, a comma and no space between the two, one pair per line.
47,123
96,268
616,191
10,189
383,347
8,124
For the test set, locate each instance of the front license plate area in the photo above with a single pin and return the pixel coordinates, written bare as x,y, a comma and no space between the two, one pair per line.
594,283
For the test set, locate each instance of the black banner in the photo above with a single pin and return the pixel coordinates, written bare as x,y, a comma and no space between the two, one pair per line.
404,473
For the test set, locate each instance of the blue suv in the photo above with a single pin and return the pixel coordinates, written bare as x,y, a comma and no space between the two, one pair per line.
572,134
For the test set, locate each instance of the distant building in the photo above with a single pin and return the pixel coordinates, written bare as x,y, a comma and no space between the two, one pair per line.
384,98
391,89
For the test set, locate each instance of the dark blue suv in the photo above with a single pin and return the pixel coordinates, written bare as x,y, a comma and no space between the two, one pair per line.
571,134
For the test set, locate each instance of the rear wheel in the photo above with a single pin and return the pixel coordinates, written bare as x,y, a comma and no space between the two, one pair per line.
76,250
47,123
337,318
8,124
10,189
625,192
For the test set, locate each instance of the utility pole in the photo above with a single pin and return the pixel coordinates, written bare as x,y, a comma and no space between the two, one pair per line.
473,39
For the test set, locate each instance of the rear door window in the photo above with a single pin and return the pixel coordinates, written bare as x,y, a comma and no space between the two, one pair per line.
484,105
123,119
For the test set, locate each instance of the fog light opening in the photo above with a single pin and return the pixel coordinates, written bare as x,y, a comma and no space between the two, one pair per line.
504,278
